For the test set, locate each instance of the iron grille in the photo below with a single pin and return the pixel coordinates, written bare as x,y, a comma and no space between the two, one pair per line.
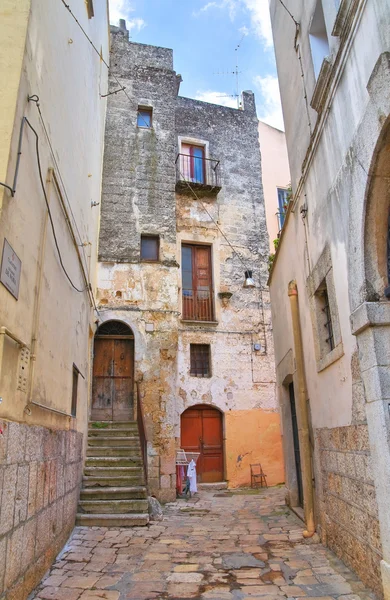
328,323
200,360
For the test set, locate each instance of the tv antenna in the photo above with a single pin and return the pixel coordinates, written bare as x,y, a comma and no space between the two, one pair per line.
236,74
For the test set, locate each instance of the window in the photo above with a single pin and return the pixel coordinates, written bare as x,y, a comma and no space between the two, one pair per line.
192,163
89,5
200,360
325,317
144,117
318,36
282,204
323,307
150,248
197,283
75,382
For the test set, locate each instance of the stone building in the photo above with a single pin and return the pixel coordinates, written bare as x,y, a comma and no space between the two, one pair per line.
46,326
330,279
182,220
275,178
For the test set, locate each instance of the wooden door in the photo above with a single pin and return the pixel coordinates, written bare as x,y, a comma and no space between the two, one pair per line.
197,283
201,431
113,380
297,453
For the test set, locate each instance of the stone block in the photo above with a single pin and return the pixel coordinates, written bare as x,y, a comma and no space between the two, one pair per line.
3,441
21,496
29,537
40,493
44,532
32,490
7,507
46,484
60,479
3,554
15,562
165,481
34,446
16,445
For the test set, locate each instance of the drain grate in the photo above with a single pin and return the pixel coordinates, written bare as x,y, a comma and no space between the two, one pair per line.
223,495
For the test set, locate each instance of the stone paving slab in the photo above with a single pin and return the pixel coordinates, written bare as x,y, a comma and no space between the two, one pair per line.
238,546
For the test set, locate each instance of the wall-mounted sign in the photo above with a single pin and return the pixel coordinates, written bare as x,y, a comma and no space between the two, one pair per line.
11,267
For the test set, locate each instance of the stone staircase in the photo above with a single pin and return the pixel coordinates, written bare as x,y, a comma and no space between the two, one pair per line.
113,492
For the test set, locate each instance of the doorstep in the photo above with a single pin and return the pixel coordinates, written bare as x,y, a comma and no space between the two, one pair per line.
218,485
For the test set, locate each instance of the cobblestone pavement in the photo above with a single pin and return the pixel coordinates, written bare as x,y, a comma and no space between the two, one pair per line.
220,546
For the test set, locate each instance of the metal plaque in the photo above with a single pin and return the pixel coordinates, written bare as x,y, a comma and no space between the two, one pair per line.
11,267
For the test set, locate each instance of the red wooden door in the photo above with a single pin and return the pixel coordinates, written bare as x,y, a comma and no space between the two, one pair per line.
201,431
112,387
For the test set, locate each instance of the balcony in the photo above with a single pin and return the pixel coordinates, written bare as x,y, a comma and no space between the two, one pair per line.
198,305
198,174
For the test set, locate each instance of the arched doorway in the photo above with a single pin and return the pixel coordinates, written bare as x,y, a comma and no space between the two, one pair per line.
113,373
202,431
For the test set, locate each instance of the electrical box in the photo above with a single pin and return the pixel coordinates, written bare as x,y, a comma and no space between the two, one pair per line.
24,361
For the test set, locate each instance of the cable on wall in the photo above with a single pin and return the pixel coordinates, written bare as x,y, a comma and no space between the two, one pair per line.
49,211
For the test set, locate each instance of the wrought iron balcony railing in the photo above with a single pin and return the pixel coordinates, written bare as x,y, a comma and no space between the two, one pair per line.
198,305
202,174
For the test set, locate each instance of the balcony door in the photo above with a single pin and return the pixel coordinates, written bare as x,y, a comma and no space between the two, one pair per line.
193,163
197,283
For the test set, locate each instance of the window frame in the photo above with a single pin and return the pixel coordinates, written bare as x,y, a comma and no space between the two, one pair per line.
90,10
197,301
320,279
150,236
146,109
202,350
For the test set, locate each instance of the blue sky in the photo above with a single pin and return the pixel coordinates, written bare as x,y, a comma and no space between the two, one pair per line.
204,36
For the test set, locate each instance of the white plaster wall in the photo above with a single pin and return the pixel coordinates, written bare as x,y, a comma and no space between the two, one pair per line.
62,69
275,174
329,184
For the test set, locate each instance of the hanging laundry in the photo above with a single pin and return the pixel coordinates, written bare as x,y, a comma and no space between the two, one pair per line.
191,474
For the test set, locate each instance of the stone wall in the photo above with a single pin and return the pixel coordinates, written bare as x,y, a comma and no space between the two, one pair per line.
349,515
40,474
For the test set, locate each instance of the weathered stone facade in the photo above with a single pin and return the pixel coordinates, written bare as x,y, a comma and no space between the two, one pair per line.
40,478
139,198
334,246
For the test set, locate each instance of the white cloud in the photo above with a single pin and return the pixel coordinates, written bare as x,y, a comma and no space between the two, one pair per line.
230,5
258,11
216,98
123,9
269,107
260,20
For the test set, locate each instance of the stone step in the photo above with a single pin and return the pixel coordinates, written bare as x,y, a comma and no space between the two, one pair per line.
114,493
102,425
132,441
124,432
113,451
109,507
113,461
117,520
102,482
218,485
114,471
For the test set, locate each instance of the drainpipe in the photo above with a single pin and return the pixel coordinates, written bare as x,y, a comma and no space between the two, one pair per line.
303,420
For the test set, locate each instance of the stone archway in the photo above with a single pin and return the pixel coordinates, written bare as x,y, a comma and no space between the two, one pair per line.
113,373
371,325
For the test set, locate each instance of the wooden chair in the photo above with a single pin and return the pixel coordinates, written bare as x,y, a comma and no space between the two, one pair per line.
258,476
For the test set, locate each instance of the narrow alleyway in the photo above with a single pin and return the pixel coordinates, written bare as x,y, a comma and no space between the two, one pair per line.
221,546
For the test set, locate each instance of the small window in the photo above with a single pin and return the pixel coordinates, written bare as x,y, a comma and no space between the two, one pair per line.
150,248
324,316
200,360
318,36
75,382
144,117
89,5
282,205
